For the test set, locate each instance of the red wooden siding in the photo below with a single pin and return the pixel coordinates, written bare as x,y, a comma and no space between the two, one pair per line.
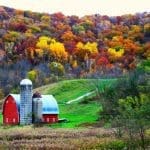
10,111
50,118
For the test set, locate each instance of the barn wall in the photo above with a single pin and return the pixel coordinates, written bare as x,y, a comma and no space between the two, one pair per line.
10,112
50,118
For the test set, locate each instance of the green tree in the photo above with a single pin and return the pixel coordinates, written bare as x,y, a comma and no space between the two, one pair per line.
1,94
32,75
126,104
135,116
57,68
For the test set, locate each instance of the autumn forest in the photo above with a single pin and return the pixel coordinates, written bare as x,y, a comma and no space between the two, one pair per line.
47,47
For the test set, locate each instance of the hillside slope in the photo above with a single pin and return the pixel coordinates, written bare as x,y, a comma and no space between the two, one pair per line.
41,46
80,112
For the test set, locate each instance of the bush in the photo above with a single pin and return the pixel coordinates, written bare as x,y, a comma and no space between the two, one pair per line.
1,94
137,144
32,75
57,68
114,145
123,145
53,78
87,100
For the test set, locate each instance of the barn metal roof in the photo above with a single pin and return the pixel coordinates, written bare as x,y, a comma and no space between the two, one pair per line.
49,103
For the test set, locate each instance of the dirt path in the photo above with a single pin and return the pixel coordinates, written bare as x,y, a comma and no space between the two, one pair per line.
81,97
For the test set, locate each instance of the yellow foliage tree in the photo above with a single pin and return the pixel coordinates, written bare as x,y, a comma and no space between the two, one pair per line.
79,45
118,42
87,49
43,42
32,75
91,47
45,19
74,64
115,54
55,50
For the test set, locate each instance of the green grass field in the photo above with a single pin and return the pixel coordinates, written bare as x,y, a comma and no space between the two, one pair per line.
77,114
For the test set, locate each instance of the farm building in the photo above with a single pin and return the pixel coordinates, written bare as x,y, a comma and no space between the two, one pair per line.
26,108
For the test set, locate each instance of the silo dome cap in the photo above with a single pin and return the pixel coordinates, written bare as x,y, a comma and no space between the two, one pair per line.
26,82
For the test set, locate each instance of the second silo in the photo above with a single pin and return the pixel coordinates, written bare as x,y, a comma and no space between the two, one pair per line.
37,108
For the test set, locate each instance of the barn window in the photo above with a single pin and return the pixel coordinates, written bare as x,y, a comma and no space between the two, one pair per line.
14,120
47,119
53,119
6,120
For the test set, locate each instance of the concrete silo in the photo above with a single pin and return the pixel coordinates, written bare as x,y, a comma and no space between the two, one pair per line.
25,102
37,108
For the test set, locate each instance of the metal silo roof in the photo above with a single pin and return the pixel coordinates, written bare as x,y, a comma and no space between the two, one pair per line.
50,105
26,82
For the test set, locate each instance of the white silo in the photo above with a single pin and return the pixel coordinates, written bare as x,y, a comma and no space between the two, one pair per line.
26,102
37,110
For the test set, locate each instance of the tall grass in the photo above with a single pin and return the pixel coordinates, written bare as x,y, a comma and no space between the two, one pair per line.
1,119
45,138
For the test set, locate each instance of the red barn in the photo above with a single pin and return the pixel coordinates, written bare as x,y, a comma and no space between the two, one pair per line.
11,109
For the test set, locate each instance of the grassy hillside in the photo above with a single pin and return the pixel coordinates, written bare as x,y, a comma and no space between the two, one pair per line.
71,89
77,113
67,90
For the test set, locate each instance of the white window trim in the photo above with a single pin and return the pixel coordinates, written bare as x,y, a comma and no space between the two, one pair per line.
47,120
54,119
14,120
6,120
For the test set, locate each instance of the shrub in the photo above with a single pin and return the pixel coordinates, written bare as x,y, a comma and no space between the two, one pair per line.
32,75
114,145
87,100
1,94
57,68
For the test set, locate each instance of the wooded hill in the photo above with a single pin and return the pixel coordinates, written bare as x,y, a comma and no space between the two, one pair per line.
42,46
